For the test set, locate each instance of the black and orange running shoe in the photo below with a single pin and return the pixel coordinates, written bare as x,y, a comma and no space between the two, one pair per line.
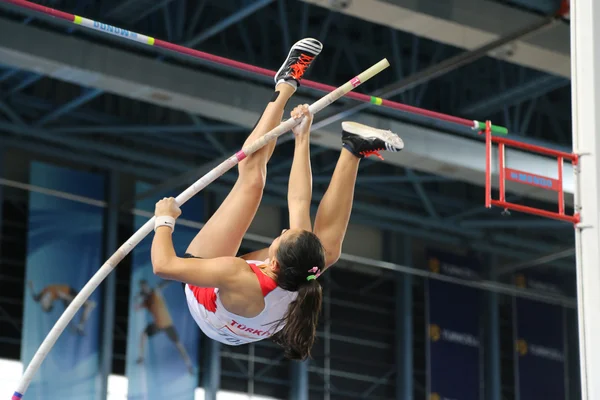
363,141
299,59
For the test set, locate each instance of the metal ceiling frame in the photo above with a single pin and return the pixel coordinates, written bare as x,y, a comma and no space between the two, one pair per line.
87,95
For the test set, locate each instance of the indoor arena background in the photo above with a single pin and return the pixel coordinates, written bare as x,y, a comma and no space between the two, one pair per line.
436,297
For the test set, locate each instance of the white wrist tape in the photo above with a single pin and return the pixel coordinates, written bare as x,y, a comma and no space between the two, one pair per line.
164,220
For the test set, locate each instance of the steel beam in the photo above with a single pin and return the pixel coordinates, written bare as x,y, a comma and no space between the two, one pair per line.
95,161
25,83
212,369
285,165
196,17
180,19
515,223
404,319
11,114
185,178
119,7
25,101
70,106
227,22
474,211
508,269
9,73
167,22
537,87
136,129
368,179
94,147
285,29
149,11
437,70
299,380
234,102
427,204
457,24
209,135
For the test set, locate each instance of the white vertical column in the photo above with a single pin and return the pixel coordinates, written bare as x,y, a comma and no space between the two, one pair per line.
585,72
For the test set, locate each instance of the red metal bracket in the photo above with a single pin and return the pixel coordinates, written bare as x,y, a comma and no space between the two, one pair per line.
525,178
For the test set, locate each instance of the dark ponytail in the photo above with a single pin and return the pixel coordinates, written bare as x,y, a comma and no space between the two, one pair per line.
297,257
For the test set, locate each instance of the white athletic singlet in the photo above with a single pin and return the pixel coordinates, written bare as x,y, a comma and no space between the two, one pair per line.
225,327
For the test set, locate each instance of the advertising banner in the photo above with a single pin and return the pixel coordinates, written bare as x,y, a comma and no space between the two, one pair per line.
455,347
540,337
64,250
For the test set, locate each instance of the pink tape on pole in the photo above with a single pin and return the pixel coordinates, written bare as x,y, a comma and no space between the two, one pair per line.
240,155
355,81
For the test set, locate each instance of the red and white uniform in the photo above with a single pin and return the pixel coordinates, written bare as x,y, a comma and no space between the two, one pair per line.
225,327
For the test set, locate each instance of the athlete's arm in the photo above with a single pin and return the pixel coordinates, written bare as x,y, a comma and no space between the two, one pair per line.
300,183
220,272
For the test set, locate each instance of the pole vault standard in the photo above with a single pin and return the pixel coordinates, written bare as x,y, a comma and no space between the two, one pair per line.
137,237
150,41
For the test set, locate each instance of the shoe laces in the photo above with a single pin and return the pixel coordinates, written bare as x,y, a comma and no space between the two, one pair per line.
375,152
300,66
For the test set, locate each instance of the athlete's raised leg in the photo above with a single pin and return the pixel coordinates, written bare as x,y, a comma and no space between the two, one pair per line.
333,215
223,233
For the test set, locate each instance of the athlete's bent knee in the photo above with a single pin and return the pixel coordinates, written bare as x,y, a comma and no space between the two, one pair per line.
253,178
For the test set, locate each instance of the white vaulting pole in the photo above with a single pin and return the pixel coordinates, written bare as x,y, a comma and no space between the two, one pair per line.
148,227
585,89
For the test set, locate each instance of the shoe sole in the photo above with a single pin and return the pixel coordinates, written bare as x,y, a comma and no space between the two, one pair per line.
302,46
368,132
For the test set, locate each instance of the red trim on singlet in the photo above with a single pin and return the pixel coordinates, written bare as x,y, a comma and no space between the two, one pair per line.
205,296
208,298
267,284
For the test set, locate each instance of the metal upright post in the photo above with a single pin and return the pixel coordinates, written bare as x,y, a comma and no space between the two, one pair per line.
212,375
108,319
573,356
492,349
298,370
404,314
585,86
327,337
299,380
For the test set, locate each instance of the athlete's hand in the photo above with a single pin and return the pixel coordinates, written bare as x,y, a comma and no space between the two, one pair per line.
304,127
167,207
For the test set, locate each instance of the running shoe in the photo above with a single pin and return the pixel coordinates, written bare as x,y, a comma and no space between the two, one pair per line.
299,59
364,141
